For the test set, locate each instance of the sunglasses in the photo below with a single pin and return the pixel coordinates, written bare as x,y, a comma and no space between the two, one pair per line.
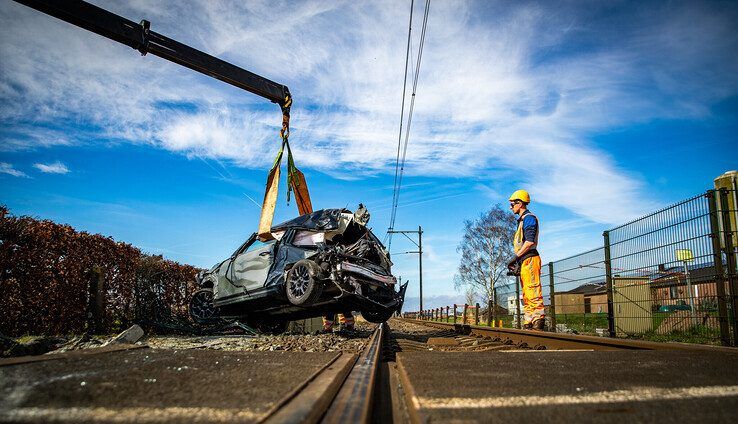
515,203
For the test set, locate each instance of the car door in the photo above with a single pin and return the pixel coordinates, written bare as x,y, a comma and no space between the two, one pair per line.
250,268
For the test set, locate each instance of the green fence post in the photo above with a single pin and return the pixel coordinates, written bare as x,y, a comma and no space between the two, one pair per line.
454,313
730,265
712,201
608,279
552,295
476,315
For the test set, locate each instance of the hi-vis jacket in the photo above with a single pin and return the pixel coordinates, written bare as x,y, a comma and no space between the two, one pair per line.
527,231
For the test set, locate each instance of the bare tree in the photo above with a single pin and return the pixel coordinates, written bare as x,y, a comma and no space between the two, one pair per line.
471,295
485,250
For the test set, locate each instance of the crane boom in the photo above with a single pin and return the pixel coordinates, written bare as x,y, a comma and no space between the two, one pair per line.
140,37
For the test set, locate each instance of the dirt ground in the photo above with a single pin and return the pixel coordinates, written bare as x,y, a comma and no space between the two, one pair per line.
353,341
334,342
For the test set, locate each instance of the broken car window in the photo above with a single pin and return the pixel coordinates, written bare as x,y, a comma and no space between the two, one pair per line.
258,244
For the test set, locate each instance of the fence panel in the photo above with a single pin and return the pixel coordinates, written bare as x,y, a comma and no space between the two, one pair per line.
580,293
668,276
665,281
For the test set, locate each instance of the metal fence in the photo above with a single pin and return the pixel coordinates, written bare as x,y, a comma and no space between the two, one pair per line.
667,276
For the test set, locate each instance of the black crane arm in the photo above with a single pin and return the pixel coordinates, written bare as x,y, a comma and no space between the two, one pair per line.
141,38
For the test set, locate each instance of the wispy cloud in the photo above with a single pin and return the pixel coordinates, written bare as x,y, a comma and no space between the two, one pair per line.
514,88
7,168
52,168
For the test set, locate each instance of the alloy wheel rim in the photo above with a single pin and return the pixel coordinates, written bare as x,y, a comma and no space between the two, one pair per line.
299,281
202,305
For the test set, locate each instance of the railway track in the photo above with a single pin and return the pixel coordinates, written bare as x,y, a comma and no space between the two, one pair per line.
409,371
539,340
379,387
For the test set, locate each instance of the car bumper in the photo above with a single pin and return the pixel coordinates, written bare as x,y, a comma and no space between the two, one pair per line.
357,301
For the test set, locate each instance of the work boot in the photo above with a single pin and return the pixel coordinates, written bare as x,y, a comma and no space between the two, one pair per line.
539,324
527,326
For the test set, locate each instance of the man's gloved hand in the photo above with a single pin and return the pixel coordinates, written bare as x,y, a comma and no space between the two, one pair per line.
513,266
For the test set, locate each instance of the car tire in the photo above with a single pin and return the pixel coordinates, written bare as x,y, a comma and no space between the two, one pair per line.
377,317
302,284
201,306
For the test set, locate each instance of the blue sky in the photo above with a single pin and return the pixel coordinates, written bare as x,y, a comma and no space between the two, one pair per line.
603,111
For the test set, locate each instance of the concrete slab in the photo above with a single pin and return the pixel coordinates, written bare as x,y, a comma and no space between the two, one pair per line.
549,386
154,385
129,336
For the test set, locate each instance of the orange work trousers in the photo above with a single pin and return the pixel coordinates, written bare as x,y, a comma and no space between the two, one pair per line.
346,319
530,279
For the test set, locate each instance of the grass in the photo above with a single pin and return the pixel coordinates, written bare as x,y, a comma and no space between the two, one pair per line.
699,334
583,323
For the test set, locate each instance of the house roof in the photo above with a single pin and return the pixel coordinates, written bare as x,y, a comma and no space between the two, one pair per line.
699,273
589,289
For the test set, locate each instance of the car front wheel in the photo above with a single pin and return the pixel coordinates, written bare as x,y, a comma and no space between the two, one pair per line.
302,284
202,309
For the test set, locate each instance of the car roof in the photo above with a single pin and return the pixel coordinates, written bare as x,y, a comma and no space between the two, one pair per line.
321,220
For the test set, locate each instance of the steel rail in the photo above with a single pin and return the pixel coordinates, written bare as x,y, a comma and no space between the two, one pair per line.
415,415
340,392
72,354
548,340
307,402
353,403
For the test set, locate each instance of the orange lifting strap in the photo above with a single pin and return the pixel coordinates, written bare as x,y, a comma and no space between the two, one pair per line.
295,181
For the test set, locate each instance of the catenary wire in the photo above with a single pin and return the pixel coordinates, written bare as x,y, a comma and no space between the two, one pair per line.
401,162
388,236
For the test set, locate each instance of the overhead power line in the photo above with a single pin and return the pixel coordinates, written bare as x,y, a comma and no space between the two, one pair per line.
400,160
388,236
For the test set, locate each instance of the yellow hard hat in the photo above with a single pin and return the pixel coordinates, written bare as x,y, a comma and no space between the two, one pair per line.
521,195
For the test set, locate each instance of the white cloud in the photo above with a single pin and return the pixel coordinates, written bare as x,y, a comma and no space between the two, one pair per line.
505,88
52,168
7,168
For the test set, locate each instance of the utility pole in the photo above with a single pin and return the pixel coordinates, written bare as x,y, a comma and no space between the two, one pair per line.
419,243
420,263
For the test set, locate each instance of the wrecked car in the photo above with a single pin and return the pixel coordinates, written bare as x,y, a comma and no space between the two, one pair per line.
324,262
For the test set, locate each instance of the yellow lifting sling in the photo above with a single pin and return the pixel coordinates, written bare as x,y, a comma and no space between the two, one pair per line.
295,181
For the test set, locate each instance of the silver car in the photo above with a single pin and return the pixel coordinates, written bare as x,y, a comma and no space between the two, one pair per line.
324,262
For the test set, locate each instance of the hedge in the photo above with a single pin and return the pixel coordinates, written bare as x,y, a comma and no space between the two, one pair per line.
47,269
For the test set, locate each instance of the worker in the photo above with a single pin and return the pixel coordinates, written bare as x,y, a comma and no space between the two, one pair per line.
346,320
526,257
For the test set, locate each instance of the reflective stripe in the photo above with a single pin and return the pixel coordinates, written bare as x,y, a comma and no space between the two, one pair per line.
346,318
518,239
327,324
